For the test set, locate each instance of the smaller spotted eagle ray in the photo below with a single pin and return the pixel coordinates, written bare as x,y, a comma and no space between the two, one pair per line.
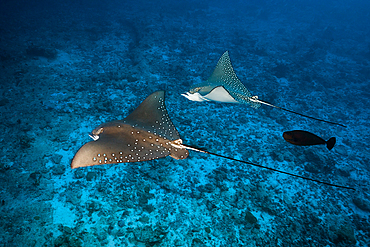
146,134
224,86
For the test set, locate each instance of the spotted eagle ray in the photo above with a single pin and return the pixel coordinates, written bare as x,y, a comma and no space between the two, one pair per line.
146,134
224,86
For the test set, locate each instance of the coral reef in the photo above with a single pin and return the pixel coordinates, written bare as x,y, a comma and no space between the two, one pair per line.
68,66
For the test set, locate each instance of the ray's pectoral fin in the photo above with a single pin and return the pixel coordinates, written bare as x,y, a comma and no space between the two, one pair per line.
90,154
194,97
219,94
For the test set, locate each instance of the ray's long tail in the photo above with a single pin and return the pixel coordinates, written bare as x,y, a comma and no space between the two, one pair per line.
265,167
255,99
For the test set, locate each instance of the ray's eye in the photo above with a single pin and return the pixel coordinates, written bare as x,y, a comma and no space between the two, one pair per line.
97,131
194,90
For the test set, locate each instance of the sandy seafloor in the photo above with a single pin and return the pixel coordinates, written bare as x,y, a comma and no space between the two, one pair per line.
68,66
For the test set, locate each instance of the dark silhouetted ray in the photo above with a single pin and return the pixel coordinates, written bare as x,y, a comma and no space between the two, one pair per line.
224,86
146,134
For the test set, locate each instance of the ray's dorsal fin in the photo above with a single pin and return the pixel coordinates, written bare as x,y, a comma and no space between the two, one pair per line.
225,76
152,115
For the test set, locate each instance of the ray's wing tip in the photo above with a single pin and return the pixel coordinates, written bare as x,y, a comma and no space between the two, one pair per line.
156,94
225,54
75,164
159,93
81,158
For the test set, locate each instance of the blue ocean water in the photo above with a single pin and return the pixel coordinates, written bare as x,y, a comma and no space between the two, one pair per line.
68,66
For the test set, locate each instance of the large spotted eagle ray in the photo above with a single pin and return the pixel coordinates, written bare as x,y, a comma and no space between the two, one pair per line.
146,134
224,86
